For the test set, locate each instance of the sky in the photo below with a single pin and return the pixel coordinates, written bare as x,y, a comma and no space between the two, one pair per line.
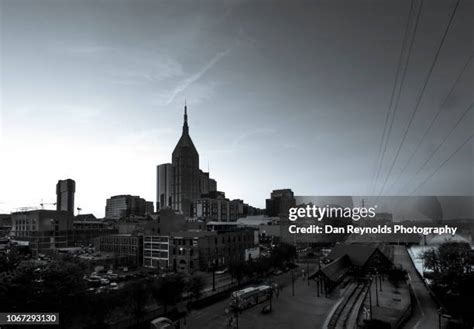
280,94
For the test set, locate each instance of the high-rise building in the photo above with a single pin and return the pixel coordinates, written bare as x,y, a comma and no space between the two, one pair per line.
280,202
164,178
126,206
65,190
186,173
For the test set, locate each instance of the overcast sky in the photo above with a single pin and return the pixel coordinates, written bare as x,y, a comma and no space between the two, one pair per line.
280,94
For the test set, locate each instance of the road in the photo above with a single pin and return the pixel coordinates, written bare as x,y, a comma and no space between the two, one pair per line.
425,311
302,311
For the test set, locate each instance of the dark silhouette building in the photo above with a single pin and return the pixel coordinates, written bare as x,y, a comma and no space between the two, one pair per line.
127,206
280,202
186,176
65,190
164,180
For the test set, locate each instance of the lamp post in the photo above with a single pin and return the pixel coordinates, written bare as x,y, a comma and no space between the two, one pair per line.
214,266
370,297
292,282
376,290
307,272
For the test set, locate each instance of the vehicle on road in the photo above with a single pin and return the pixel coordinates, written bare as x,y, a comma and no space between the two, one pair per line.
222,271
266,309
162,323
251,296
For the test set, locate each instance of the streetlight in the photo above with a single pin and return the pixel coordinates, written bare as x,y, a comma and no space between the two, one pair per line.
307,272
293,282
376,290
370,297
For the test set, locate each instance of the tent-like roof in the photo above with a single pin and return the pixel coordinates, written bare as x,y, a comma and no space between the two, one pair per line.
337,269
358,254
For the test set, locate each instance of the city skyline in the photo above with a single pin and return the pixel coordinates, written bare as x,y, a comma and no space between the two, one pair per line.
95,93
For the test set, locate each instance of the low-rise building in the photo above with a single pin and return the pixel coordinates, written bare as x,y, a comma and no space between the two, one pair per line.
121,245
214,206
156,251
43,230
194,250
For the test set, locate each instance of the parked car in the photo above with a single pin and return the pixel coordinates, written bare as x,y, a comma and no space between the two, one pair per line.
266,309
162,323
223,271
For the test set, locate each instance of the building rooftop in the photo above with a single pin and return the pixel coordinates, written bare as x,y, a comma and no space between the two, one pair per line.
192,234
358,254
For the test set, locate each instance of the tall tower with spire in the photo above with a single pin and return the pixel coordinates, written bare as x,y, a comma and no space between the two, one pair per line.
186,174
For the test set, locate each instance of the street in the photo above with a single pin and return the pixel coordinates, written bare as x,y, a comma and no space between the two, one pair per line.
304,310
425,314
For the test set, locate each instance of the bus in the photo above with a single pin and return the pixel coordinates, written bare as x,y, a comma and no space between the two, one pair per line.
248,297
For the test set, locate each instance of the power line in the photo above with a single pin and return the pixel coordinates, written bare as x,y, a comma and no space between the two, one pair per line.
439,146
442,164
397,76
420,96
434,119
407,60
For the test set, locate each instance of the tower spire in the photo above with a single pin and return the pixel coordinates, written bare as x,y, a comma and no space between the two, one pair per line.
185,125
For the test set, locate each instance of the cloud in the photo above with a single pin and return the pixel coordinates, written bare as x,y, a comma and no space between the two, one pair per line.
193,78
150,68
147,140
251,134
88,49
80,113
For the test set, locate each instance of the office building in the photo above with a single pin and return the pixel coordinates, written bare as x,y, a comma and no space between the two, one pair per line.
156,251
164,178
126,206
43,231
186,173
199,250
65,190
214,206
126,246
280,202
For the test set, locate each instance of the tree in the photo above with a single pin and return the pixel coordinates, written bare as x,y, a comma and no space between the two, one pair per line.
195,285
56,287
262,265
138,294
431,260
282,253
451,258
453,281
9,260
168,290
396,275
455,257
237,270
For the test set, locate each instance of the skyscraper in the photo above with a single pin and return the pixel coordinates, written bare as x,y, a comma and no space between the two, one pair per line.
164,180
186,174
65,190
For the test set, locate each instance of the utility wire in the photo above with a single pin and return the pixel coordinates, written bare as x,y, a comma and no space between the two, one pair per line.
442,164
420,96
433,120
407,60
397,76
439,145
